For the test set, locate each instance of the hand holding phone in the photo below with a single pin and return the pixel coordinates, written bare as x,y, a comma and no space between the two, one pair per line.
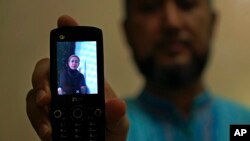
39,98
77,84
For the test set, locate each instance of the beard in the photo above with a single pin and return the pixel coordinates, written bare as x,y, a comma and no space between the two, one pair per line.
173,77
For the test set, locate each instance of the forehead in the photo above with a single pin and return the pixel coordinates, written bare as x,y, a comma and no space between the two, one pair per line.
74,58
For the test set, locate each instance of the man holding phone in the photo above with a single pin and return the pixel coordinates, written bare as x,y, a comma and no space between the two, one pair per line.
170,41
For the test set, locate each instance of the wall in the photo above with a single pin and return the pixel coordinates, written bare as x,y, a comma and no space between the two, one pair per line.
229,69
24,39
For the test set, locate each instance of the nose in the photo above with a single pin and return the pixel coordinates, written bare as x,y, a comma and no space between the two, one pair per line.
171,15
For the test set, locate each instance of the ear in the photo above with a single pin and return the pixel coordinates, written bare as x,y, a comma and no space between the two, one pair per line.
214,22
127,29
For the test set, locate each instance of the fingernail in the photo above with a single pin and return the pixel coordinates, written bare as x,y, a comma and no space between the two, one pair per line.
43,131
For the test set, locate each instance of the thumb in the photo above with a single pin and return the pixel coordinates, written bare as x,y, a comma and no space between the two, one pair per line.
117,122
66,20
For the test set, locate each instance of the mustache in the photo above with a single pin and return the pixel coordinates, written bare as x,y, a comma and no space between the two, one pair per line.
163,44
167,42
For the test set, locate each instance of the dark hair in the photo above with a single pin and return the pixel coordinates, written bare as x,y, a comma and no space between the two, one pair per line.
73,56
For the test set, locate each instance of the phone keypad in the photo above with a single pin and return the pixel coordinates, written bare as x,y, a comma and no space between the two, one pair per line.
77,124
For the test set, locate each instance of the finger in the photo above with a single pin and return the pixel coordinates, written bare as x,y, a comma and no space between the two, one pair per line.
117,122
38,116
38,100
40,76
66,20
40,81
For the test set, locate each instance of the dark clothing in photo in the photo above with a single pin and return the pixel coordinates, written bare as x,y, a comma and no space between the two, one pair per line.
71,81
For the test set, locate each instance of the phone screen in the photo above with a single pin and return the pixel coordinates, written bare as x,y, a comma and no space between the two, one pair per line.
77,67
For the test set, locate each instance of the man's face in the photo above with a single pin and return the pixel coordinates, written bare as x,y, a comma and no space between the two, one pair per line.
170,38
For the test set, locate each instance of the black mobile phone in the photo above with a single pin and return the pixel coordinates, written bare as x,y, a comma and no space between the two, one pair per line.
77,84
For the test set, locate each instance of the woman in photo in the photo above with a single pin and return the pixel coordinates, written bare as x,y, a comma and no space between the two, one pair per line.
71,81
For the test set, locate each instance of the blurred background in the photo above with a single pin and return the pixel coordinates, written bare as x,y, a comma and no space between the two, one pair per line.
24,39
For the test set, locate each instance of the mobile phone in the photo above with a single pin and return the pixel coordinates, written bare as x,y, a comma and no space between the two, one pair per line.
77,110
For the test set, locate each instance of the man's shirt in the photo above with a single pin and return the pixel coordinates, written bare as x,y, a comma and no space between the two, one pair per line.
154,119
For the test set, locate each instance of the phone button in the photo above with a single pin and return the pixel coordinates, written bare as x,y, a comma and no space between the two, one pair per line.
78,112
98,112
57,113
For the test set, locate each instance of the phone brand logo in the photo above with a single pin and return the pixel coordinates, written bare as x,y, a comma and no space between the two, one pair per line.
76,99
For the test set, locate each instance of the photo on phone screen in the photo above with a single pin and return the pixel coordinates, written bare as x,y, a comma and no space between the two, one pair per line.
77,67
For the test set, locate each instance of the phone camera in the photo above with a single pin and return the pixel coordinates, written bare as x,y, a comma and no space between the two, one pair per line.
62,37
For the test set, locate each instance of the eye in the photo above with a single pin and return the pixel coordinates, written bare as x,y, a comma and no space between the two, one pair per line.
187,4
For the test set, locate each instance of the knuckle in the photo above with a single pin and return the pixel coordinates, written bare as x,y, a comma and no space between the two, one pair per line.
41,71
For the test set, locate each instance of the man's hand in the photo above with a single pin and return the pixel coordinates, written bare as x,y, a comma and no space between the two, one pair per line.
38,101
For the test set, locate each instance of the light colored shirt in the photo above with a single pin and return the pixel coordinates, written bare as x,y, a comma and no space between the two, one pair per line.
154,119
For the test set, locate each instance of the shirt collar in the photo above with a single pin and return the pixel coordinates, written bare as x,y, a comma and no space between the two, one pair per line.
157,105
